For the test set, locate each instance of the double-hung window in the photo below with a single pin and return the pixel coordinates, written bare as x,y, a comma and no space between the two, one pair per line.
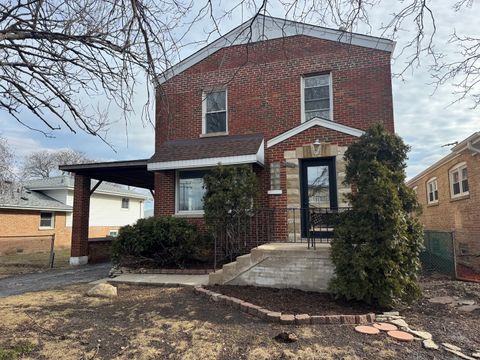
317,99
215,112
47,220
125,203
432,191
190,191
459,180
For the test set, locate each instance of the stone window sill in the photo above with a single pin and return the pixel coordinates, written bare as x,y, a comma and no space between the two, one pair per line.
214,134
458,198
433,204
275,192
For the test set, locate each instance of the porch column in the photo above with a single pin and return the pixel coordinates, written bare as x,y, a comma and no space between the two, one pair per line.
81,210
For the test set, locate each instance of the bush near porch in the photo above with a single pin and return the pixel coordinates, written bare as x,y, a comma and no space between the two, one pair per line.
161,242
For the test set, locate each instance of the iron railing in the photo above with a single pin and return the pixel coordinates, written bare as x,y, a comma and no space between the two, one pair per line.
243,230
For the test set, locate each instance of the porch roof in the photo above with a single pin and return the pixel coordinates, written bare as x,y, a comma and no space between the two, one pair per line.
208,151
131,172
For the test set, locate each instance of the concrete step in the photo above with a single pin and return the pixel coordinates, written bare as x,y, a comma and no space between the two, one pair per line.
243,262
215,278
256,255
229,270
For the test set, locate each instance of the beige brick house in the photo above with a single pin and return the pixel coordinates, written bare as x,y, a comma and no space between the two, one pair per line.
449,192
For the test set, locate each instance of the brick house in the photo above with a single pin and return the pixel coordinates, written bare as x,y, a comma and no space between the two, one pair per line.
33,211
449,193
286,98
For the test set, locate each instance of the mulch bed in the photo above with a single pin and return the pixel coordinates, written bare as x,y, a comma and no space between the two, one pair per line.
292,301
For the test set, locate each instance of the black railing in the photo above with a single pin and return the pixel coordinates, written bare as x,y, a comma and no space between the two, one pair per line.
243,230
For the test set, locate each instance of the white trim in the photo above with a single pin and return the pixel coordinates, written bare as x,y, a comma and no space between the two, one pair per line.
430,181
184,213
311,123
78,260
458,168
258,158
204,113
275,192
24,207
302,95
263,28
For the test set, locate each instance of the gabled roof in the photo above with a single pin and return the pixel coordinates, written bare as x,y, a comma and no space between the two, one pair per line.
328,124
471,143
67,182
208,151
18,197
261,28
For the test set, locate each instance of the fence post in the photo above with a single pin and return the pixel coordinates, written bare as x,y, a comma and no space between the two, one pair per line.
454,251
52,254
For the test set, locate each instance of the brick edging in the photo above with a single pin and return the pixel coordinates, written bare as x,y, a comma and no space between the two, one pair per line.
278,317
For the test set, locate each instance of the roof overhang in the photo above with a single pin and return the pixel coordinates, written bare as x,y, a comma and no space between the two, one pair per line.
262,27
36,208
328,124
257,158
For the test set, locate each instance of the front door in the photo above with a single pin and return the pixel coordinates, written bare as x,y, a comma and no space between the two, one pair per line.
318,184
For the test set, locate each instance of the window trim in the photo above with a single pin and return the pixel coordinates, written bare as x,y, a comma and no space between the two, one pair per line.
178,212
204,112
52,226
302,94
430,181
128,203
458,167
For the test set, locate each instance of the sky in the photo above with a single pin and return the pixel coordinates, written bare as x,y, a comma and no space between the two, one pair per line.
425,118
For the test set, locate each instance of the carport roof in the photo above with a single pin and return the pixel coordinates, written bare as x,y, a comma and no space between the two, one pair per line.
129,172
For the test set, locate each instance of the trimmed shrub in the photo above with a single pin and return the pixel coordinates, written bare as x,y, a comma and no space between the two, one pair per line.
163,241
377,243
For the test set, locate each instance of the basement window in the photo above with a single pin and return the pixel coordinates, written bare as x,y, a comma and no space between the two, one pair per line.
459,180
432,191
47,220
214,108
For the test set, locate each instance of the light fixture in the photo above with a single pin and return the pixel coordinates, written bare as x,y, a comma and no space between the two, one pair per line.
316,146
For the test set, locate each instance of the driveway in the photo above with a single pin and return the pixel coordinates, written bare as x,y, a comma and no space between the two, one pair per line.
20,284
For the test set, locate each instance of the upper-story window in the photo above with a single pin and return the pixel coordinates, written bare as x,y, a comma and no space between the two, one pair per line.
317,97
432,191
214,107
125,203
459,180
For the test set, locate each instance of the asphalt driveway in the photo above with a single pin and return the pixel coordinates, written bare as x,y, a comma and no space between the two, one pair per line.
20,284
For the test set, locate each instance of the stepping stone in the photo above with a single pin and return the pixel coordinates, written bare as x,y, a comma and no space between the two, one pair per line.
476,355
400,335
365,329
385,326
451,347
460,354
442,300
400,323
468,308
429,344
391,313
421,334
466,302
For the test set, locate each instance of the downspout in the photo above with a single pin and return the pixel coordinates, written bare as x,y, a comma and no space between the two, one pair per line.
472,148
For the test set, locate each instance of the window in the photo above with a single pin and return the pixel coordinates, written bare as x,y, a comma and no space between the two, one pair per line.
190,191
113,233
432,191
215,112
275,176
125,203
47,220
459,180
317,99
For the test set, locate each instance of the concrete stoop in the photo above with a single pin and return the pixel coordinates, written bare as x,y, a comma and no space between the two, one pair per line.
279,265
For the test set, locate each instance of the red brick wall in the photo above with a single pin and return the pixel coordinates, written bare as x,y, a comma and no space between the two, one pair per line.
460,215
81,210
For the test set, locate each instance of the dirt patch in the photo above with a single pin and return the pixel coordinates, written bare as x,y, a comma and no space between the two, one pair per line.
173,323
292,301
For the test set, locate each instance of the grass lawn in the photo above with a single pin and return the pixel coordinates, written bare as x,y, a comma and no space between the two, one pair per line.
21,263
173,323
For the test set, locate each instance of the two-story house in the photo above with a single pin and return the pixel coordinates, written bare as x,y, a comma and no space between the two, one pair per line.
285,97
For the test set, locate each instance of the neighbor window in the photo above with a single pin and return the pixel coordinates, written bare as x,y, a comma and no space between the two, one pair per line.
459,180
316,97
190,191
47,220
125,203
215,112
432,191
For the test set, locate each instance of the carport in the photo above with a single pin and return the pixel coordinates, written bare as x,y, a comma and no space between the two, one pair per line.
131,173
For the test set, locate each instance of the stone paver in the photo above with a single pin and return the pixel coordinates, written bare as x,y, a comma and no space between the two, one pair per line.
468,308
161,279
430,344
442,300
451,347
424,335
366,329
302,319
385,326
466,302
400,335
460,354
400,323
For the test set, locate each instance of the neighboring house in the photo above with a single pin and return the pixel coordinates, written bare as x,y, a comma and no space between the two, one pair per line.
283,97
449,192
44,207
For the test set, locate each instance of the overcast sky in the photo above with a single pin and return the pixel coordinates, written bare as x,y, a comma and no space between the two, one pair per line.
425,120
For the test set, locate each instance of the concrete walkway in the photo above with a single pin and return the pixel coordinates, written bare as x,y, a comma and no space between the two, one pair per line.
160,279
19,284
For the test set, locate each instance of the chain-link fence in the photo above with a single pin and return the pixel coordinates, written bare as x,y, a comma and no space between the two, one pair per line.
438,255
35,251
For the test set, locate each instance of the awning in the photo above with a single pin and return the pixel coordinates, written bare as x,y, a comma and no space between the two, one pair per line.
209,151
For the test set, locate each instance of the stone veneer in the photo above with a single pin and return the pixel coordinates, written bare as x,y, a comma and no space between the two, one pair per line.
292,158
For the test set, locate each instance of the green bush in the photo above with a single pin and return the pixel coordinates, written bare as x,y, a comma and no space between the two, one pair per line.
163,241
376,245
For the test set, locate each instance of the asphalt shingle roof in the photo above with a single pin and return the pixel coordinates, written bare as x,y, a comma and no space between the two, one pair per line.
15,196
